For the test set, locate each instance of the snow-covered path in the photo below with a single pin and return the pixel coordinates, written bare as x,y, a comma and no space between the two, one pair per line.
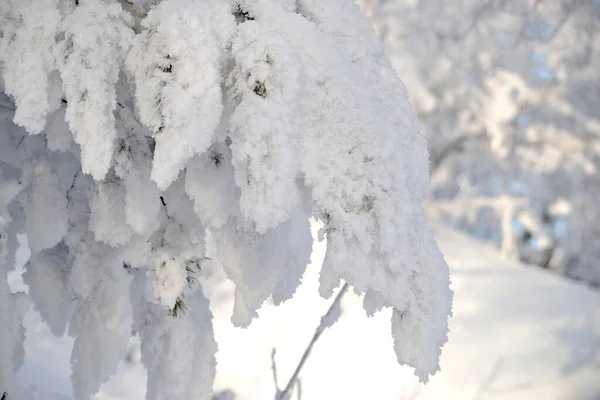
517,333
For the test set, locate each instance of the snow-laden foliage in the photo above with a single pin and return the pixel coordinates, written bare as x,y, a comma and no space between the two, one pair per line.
132,130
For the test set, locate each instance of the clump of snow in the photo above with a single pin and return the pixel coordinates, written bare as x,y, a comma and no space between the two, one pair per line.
209,182
27,59
264,129
179,354
108,221
170,281
177,63
97,36
46,276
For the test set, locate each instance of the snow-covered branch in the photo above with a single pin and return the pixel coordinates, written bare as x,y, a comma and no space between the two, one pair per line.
142,129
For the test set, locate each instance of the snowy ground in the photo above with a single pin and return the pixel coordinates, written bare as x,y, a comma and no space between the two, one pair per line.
517,333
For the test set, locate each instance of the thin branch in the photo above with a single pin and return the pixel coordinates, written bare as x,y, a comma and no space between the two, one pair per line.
454,146
72,185
20,141
164,204
274,369
460,36
299,388
325,322
7,106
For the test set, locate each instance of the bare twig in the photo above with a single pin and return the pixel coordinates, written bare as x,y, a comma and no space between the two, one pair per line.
454,146
20,141
325,322
274,369
7,106
299,388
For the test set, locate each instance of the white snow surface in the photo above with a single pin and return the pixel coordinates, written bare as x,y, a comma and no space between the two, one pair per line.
516,333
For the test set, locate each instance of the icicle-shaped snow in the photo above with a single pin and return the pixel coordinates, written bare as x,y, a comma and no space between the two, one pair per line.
184,233
79,210
247,259
46,208
262,264
28,35
9,189
209,182
107,218
266,81
297,257
133,163
169,279
101,323
142,203
97,37
12,305
47,275
177,62
178,247
58,135
178,352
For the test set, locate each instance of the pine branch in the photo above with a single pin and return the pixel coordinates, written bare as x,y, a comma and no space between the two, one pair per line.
325,322
179,308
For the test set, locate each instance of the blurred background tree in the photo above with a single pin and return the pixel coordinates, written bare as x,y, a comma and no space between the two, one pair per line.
508,93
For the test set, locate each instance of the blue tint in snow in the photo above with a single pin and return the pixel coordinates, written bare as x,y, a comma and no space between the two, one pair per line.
561,227
540,30
540,70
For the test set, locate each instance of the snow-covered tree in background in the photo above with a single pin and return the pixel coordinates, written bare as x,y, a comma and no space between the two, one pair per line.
132,131
509,95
